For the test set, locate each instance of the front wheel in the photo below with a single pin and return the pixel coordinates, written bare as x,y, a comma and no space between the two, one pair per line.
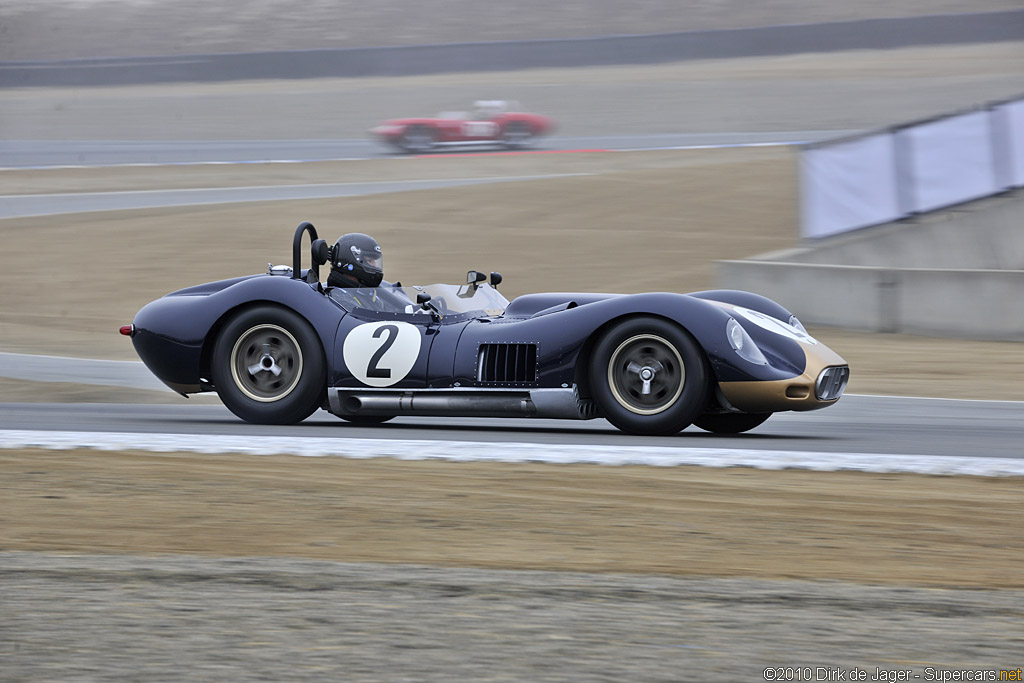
648,376
268,366
730,423
418,139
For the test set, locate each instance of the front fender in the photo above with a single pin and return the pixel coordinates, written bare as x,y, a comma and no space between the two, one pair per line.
755,302
563,336
706,323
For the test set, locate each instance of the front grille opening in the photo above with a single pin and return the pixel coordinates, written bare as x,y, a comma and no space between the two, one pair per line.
507,363
832,382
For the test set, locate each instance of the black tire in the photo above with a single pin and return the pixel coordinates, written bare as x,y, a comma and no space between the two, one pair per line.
418,139
730,423
367,420
677,383
269,338
517,135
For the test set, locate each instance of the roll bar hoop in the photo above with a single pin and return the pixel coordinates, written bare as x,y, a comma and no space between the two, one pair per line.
304,226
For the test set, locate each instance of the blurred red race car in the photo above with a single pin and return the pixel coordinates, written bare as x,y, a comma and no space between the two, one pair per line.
491,122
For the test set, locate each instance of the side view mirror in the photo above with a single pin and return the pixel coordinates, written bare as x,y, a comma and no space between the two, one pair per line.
320,252
495,279
474,277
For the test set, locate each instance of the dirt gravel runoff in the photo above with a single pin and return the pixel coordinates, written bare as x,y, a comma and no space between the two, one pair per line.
383,570
174,618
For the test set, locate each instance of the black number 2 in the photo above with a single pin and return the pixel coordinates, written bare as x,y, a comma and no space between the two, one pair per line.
372,370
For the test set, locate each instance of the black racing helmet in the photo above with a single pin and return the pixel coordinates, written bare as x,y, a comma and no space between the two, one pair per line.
357,259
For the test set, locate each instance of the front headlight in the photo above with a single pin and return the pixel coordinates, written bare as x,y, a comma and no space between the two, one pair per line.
743,344
795,322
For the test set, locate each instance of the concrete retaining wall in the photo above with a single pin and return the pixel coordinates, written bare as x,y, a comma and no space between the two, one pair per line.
973,304
957,272
985,234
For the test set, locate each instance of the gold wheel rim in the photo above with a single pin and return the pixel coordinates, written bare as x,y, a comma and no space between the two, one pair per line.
254,374
627,374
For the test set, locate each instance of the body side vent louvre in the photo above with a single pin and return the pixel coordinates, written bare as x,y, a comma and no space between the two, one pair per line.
507,363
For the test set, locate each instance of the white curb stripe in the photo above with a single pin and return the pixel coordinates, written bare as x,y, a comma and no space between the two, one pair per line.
470,451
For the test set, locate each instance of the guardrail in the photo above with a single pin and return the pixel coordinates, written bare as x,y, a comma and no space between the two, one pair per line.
890,174
528,54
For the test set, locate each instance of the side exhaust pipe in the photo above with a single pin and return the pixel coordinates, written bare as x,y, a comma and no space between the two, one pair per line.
473,405
468,402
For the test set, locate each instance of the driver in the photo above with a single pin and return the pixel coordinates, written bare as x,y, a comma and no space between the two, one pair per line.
357,269
356,261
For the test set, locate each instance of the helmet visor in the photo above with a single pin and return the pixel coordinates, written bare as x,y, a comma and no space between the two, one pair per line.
374,260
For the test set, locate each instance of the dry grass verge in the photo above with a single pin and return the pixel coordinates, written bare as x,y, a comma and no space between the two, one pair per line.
657,224
867,528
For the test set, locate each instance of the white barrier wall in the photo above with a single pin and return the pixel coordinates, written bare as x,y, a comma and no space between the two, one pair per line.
891,174
848,185
1009,119
949,161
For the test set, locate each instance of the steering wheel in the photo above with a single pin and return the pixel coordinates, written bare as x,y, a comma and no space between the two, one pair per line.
441,305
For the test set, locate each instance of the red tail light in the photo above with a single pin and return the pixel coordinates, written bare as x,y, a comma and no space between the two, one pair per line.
128,330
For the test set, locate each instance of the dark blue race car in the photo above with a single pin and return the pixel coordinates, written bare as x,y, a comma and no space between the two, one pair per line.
278,346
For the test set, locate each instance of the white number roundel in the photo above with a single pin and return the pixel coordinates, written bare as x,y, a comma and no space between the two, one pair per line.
381,354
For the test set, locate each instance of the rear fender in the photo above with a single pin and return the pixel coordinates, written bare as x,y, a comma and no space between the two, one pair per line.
327,336
189,322
316,309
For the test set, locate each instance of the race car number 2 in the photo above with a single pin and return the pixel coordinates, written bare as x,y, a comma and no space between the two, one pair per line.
381,354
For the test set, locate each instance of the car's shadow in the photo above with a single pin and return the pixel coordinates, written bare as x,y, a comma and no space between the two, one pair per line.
605,432
468,150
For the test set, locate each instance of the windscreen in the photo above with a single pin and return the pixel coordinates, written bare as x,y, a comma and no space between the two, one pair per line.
452,302
481,299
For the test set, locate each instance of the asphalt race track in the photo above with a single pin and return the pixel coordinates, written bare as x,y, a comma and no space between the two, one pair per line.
57,153
886,426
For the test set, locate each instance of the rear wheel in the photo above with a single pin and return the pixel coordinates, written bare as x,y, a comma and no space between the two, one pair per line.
648,376
517,135
268,366
418,139
730,423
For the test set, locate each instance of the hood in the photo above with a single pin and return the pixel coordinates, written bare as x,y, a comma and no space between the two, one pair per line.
528,304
